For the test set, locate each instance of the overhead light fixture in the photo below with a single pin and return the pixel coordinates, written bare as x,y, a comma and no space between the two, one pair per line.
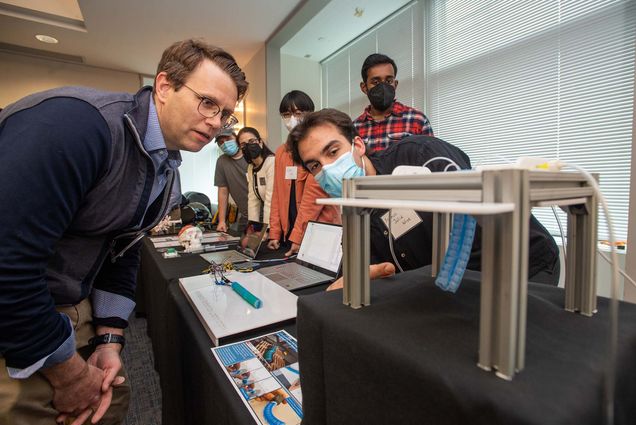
358,12
47,39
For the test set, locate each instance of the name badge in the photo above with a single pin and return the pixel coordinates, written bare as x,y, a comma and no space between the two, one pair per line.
262,181
402,220
291,173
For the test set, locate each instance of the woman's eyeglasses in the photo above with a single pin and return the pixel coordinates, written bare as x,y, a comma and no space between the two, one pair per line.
288,114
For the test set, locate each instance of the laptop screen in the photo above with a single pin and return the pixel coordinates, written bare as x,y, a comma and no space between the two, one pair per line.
252,237
322,246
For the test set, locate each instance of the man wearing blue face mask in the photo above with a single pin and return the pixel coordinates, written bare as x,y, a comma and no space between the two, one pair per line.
385,120
229,178
327,144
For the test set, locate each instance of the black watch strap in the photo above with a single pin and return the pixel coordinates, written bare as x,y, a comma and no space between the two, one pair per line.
107,339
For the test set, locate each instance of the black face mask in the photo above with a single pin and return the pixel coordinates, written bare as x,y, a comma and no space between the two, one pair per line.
381,96
251,151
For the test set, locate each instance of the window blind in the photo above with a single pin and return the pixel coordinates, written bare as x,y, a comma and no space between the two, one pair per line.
552,79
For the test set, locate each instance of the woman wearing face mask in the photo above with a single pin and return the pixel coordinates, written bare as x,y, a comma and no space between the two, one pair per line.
260,174
295,190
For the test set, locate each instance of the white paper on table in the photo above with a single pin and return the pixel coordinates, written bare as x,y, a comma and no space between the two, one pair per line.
224,313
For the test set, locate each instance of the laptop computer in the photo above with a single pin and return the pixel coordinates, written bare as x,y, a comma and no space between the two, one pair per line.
318,260
247,247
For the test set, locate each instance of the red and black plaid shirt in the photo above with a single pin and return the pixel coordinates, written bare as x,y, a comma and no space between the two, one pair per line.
403,121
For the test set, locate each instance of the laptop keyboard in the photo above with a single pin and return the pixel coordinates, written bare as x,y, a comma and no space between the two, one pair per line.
231,256
296,272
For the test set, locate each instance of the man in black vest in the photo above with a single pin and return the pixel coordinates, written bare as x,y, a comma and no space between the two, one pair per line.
100,169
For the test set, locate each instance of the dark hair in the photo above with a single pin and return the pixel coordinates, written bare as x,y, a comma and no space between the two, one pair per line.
338,119
180,60
298,99
376,59
266,151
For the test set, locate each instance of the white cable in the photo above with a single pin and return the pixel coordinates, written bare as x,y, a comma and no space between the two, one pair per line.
613,341
441,157
397,263
452,164
565,256
625,275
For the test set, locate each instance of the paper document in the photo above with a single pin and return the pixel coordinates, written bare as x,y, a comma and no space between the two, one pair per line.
264,372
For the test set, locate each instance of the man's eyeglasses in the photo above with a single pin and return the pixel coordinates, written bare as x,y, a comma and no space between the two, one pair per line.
210,109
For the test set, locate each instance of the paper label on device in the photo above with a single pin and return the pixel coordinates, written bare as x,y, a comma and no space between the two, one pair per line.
402,220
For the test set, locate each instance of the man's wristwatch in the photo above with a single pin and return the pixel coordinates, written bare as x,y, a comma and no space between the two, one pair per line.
107,339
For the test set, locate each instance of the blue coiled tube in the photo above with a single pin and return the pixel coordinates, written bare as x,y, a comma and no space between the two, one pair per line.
269,415
458,253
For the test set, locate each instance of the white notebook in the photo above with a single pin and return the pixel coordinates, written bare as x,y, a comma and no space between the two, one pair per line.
224,313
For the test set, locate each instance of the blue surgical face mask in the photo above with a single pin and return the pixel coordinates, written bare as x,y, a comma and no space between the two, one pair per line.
230,147
331,175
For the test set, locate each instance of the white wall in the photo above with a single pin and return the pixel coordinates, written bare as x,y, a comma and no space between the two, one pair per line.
256,99
273,62
23,75
299,74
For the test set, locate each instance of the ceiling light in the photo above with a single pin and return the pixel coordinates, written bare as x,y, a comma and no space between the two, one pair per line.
46,39
358,12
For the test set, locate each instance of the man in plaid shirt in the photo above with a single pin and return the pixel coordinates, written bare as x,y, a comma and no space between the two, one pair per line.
386,120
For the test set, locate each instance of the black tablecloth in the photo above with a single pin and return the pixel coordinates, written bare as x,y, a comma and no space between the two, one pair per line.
194,387
155,274
410,357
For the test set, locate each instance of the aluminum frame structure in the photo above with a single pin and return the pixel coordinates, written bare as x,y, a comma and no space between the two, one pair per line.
502,200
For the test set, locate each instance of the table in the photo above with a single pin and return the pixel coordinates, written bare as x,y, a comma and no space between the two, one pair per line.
194,387
410,357
156,275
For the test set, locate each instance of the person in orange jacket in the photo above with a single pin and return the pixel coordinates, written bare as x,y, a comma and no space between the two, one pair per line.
295,190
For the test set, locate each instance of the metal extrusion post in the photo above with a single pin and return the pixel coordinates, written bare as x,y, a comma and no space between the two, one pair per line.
356,250
571,271
580,280
524,259
507,283
487,314
507,276
441,230
590,226
500,282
